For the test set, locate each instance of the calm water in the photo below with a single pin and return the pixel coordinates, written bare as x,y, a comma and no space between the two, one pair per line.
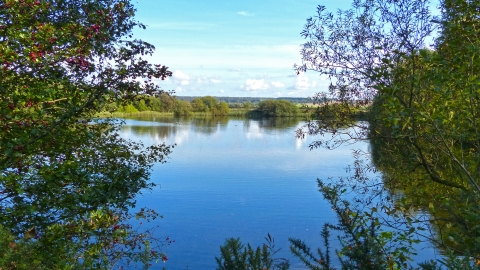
235,178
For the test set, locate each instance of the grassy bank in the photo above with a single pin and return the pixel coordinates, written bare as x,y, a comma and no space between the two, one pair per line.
238,112
134,114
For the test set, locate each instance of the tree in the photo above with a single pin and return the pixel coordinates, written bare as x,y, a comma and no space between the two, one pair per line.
197,105
425,103
221,109
127,108
247,105
183,107
278,108
154,103
210,102
434,123
356,50
141,105
67,180
167,102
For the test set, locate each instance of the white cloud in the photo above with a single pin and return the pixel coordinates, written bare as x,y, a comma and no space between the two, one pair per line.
180,78
254,85
277,84
179,89
246,14
201,80
207,80
260,83
302,83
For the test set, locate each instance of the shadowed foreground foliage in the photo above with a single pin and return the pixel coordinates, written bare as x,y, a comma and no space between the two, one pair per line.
234,255
67,179
423,121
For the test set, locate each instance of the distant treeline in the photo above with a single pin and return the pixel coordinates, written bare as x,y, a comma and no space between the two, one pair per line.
217,106
238,101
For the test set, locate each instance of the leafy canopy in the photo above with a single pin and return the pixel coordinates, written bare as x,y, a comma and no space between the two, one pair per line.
68,179
424,108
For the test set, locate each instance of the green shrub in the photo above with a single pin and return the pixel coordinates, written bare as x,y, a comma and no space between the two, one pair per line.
129,108
234,255
282,108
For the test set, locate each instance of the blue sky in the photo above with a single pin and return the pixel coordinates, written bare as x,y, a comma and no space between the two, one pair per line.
231,48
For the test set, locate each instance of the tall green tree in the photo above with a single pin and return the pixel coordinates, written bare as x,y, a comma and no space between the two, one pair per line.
425,103
198,105
356,50
210,102
430,122
221,109
67,180
183,107
167,102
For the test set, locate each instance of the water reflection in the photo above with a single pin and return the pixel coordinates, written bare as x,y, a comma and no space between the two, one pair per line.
443,210
159,129
236,177
279,123
208,125
161,132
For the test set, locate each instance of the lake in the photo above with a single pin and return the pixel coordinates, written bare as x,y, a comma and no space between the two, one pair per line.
236,177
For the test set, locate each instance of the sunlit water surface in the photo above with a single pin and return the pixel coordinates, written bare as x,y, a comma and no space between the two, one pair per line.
236,178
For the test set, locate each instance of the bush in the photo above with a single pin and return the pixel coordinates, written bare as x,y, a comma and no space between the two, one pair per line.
234,255
127,109
282,108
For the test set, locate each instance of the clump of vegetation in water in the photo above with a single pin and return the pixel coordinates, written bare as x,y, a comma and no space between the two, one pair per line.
281,108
